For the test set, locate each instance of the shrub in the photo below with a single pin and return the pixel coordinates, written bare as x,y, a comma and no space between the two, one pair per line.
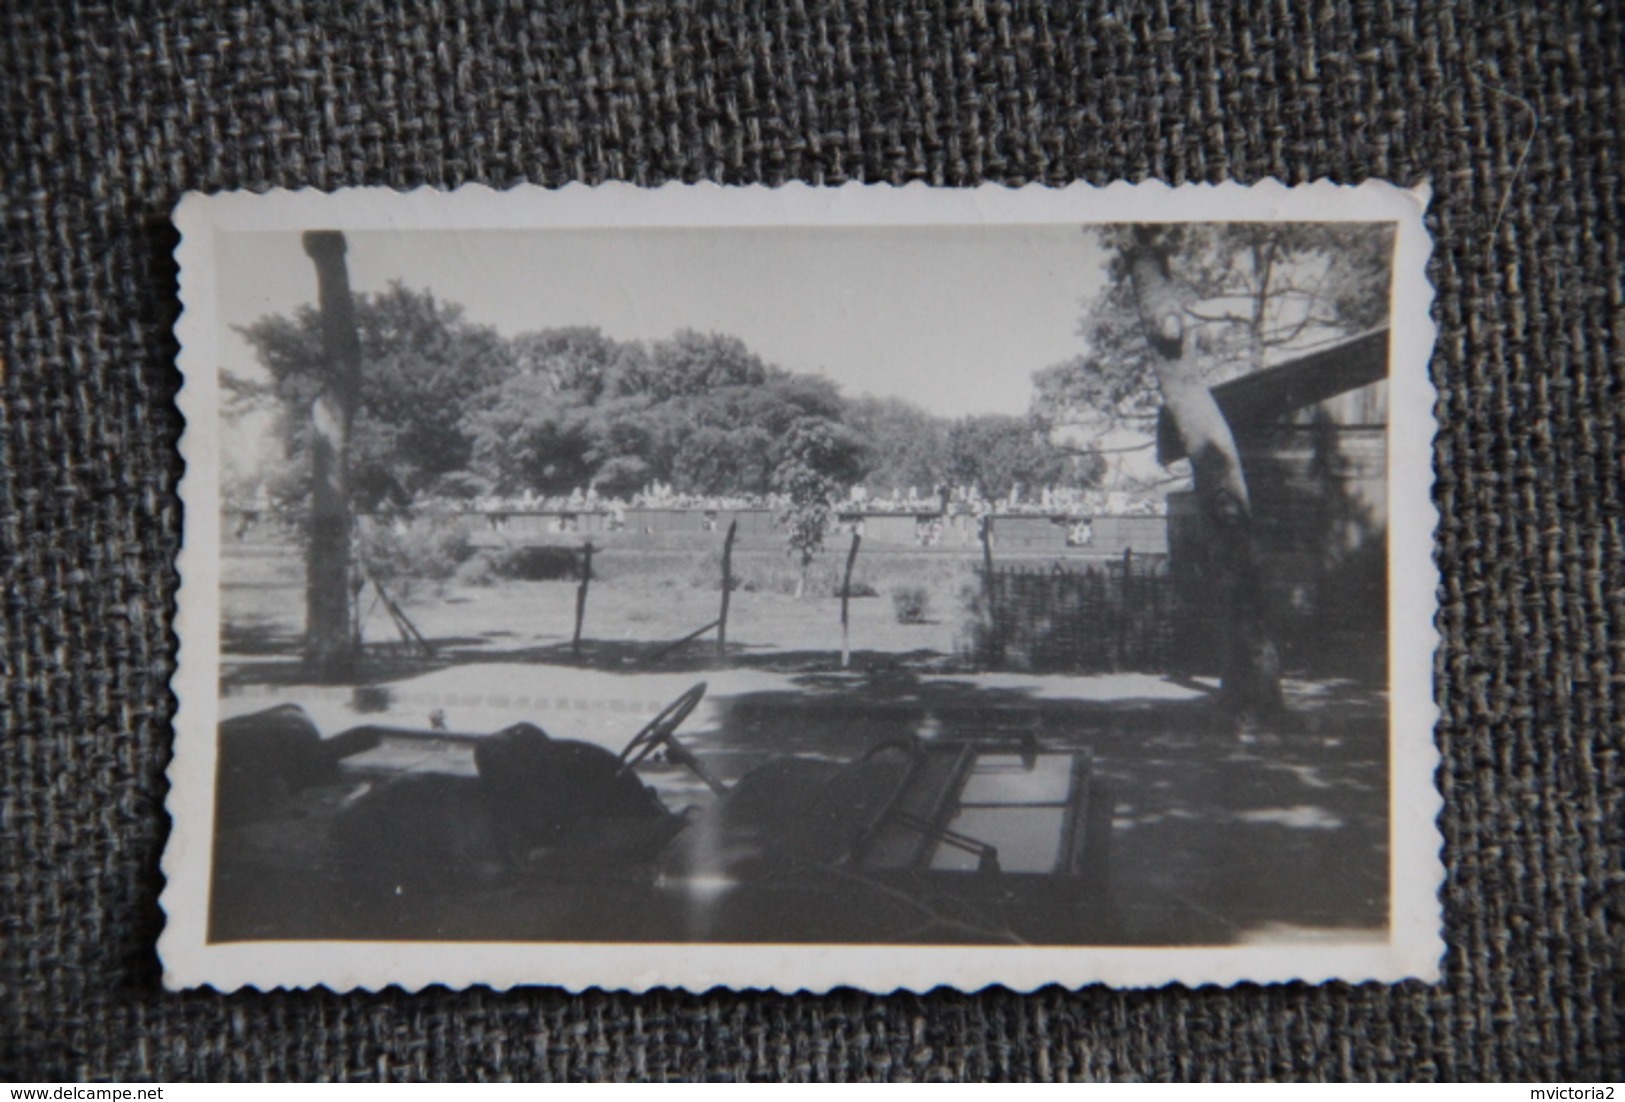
910,602
477,571
539,563
416,552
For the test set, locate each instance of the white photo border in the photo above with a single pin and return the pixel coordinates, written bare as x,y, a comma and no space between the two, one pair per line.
1414,946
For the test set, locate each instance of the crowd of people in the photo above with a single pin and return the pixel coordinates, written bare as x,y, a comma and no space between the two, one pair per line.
1050,501
932,507
942,501
655,496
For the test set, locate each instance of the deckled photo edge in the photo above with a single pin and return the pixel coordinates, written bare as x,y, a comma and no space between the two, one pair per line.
1415,943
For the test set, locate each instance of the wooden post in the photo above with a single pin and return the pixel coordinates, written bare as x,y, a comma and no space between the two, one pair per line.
581,598
846,595
1126,605
358,585
669,647
329,637
727,587
410,635
996,650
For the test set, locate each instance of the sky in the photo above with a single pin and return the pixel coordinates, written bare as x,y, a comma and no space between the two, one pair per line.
953,318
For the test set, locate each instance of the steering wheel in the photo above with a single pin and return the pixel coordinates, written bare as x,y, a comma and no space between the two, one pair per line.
659,730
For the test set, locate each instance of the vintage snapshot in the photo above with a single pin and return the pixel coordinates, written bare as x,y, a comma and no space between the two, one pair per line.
802,588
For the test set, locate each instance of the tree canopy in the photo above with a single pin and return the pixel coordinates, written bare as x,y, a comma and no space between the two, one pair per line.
452,408
997,453
905,446
423,362
1252,293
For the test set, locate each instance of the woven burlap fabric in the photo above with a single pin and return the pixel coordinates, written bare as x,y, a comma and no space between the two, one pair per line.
1513,114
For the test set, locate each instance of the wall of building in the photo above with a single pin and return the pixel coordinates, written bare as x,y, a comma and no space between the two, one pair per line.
1320,508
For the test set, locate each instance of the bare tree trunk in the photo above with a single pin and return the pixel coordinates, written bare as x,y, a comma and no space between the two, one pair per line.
990,591
846,597
581,599
727,587
329,641
1251,667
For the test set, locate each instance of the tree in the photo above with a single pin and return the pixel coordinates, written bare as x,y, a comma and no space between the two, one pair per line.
541,428
700,412
903,444
329,643
694,363
1185,308
581,360
1248,294
996,452
452,408
527,434
1251,666
820,460
711,416
423,366
730,439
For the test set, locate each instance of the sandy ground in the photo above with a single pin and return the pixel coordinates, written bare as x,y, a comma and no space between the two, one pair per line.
639,604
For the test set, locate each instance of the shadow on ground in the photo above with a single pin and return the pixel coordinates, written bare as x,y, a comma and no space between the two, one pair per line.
1220,836
262,656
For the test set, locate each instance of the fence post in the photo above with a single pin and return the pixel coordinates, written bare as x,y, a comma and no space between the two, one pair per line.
995,637
727,587
1125,611
581,598
846,595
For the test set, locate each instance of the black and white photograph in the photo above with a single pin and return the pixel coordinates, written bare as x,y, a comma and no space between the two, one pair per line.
979,582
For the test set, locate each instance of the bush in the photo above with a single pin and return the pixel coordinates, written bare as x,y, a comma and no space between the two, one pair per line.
861,587
910,602
478,571
539,564
418,552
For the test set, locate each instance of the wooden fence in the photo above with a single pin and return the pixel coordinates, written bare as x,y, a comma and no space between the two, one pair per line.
1066,618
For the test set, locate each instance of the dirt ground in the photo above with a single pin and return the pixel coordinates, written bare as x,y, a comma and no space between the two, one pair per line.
1218,837
638,603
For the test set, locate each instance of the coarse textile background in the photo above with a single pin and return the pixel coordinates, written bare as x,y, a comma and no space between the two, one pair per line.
1512,112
